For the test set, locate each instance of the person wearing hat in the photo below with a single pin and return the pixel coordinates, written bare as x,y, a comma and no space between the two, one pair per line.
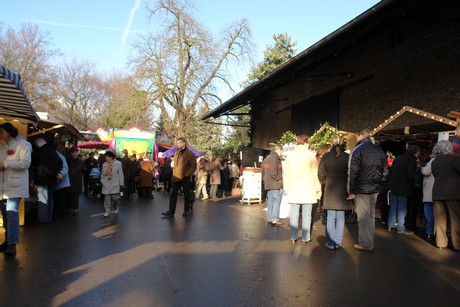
112,182
15,159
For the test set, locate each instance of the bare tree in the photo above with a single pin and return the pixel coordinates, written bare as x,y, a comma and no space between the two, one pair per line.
79,95
27,52
127,104
182,65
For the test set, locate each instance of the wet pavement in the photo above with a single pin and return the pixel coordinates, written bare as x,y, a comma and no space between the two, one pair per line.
224,254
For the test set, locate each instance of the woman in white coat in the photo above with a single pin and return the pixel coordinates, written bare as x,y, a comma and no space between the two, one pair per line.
15,158
112,180
302,186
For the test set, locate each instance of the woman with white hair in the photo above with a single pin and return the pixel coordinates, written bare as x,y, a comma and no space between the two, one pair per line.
446,194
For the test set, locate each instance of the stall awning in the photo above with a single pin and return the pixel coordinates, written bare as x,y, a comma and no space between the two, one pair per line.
55,127
431,123
93,145
14,103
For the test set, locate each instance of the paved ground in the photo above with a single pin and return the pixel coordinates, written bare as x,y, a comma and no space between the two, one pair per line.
224,254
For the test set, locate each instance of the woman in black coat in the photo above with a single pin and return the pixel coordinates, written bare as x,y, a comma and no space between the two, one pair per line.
446,194
76,170
333,173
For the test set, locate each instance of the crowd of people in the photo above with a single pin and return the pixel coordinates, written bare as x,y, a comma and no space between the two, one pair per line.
340,180
357,180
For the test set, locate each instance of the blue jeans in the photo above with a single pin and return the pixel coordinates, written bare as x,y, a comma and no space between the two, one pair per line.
306,221
11,220
273,205
397,203
335,225
429,215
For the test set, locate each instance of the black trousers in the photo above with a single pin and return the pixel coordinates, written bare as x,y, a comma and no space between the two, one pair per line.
175,186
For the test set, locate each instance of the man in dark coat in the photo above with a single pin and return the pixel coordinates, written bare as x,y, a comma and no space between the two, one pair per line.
128,172
184,166
401,187
273,182
76,170
368,167
45,167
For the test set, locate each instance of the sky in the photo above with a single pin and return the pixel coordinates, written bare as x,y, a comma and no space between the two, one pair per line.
102,31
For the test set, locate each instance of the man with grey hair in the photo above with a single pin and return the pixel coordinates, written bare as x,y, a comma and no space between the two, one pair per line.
273,182
44,170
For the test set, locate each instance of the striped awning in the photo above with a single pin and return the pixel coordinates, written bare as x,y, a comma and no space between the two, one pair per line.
14,103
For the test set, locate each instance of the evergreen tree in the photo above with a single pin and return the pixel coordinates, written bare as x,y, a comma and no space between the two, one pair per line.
274,56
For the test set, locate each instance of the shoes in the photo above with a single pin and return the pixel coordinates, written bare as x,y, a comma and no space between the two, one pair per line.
74,212
405,232
106,214
10,250
186,213
116,209
362,248
389,229
168,214
204,198
276,223
293,241
305,242
330,247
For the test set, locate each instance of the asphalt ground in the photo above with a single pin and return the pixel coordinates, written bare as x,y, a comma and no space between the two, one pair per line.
224,254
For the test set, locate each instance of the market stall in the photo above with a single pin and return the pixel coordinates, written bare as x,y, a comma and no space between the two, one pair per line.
16,108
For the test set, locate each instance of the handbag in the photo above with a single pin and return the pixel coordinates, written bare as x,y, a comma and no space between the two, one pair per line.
236,188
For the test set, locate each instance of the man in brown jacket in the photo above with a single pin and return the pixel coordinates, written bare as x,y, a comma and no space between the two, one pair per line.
184,167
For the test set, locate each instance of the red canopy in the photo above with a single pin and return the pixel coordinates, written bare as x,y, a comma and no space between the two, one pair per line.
93,145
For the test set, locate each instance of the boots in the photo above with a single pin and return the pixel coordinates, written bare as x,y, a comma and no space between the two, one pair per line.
11,250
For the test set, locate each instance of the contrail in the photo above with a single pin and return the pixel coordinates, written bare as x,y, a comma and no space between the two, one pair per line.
127,29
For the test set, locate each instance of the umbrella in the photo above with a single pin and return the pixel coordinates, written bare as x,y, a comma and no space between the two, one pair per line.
14,103
93,145
170,152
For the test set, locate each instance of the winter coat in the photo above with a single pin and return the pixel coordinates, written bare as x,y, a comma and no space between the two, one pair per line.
428,182
367,168
202,173
112,185
65,181
301,176
446,172
127,166
333,174
272,172
167,169
16,156
146,173
184,164
215,173
76,170
402,179
46,164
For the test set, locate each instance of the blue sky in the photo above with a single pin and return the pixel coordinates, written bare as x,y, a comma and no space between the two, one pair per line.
103,30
